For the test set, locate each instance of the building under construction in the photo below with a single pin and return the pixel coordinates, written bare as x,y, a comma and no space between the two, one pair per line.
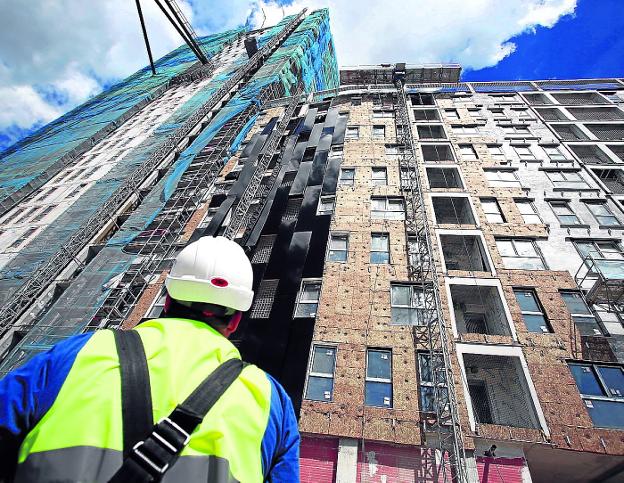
439,273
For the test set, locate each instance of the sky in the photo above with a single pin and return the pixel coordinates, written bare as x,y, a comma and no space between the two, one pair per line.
56,54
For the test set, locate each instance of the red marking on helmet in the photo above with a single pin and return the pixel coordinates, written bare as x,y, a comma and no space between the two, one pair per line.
219,282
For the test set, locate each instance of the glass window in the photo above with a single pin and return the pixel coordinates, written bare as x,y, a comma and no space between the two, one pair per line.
321,375
496,151
581,315
432,131
524,152
451,114
464,129
407,302
503,178
492,210
353,132
532,312
602,390
336,152
383,113
528,211
516,129
23,238
554,153
378,390
380,248
602,213
347,177
326,205
467,151
497,113
567,179
309,295
564,213
387,208
338,247
426,115
444,178
518,253
379,176
600,250
379,131
426,380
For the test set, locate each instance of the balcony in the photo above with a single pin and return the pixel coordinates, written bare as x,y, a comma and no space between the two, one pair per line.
604,280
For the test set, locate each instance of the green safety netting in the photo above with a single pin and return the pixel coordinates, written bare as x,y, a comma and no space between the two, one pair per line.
306,57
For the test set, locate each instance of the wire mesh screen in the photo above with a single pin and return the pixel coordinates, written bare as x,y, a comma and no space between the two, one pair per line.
499,392
264,299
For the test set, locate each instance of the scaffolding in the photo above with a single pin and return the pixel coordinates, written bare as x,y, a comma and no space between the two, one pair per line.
49,271
431,330
601,281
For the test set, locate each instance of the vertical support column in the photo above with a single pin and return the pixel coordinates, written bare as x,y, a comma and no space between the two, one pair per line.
346,468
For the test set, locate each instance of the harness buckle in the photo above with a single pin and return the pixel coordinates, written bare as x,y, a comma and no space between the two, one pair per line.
168,436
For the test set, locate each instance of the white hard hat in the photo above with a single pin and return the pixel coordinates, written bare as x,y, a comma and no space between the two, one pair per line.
212,270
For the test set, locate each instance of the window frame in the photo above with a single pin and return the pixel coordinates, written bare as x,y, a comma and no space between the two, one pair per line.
492,201
516,256
339,235
304,283
415,306
468,152
350,130
346,181
375,180
555,153
322,375
530,156
378,127
385,235
502,183
564,204
604,205
545,329
581,315
528,202
607,396
423,384
322,199
564,174
387,200
380,380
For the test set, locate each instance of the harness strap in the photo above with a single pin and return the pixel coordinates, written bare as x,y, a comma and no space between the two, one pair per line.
136,395
153,454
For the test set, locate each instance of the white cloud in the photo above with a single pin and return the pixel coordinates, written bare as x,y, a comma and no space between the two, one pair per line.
474,33
71,46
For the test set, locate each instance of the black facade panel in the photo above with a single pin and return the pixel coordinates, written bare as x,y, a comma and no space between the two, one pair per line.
318,169
331,177
301,181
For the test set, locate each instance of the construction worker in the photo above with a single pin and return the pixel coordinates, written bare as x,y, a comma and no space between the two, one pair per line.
87,410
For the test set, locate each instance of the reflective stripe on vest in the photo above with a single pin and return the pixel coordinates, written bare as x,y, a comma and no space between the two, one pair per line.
86,415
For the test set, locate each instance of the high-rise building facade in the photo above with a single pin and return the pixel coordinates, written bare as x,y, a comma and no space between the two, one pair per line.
438,265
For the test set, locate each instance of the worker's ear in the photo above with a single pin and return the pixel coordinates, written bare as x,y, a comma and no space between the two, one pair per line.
233,324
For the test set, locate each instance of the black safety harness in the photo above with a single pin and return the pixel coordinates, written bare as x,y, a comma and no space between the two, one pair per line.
149,449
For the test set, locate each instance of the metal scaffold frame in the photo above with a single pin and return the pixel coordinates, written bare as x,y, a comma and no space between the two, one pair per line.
240,212
45,275
432,329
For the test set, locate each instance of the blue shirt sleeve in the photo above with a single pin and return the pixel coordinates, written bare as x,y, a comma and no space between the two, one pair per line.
280,444
28,392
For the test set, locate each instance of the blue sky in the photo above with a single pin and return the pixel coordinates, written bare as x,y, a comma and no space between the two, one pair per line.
589,43
55,54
